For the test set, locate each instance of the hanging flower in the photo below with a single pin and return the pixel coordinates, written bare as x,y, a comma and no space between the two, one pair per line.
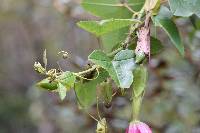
138,127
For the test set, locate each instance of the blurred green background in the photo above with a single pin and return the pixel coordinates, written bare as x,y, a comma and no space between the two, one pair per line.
27,27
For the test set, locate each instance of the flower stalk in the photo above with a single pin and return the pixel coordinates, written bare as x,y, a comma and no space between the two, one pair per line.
136,105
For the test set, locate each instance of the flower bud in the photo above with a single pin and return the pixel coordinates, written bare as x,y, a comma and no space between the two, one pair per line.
138,127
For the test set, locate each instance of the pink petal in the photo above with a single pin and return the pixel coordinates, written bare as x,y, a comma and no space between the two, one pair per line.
143,128
138,127
132,129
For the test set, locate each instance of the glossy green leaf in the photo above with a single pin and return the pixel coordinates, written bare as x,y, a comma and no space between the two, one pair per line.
185,8
162,20
105,26
111,8
113,39
67,79
86,92
140,80
62,91
120,68
47,85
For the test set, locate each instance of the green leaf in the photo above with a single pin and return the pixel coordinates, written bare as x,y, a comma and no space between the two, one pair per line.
170,28
106,92
113,39
123,64
111,8
120,68
185,8
140,80
62,91
105,26
164,13
86,92
47,85
195,22
67,79
100,58
156,46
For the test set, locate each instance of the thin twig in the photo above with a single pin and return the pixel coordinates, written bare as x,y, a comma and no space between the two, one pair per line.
132,29
88,70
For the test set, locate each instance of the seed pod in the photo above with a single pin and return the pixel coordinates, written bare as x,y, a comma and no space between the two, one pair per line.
102,126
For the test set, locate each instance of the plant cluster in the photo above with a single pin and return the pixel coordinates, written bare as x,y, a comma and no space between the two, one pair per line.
125,33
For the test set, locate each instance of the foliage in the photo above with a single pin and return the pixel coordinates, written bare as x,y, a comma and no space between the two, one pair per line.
185,8
120,68
86,92
119,32
163,20
111,8
105,26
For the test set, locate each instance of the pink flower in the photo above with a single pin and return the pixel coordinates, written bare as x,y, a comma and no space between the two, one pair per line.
138,127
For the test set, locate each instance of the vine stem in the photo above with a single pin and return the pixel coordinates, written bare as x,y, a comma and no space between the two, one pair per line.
128,39
79,74
133,27
88,70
